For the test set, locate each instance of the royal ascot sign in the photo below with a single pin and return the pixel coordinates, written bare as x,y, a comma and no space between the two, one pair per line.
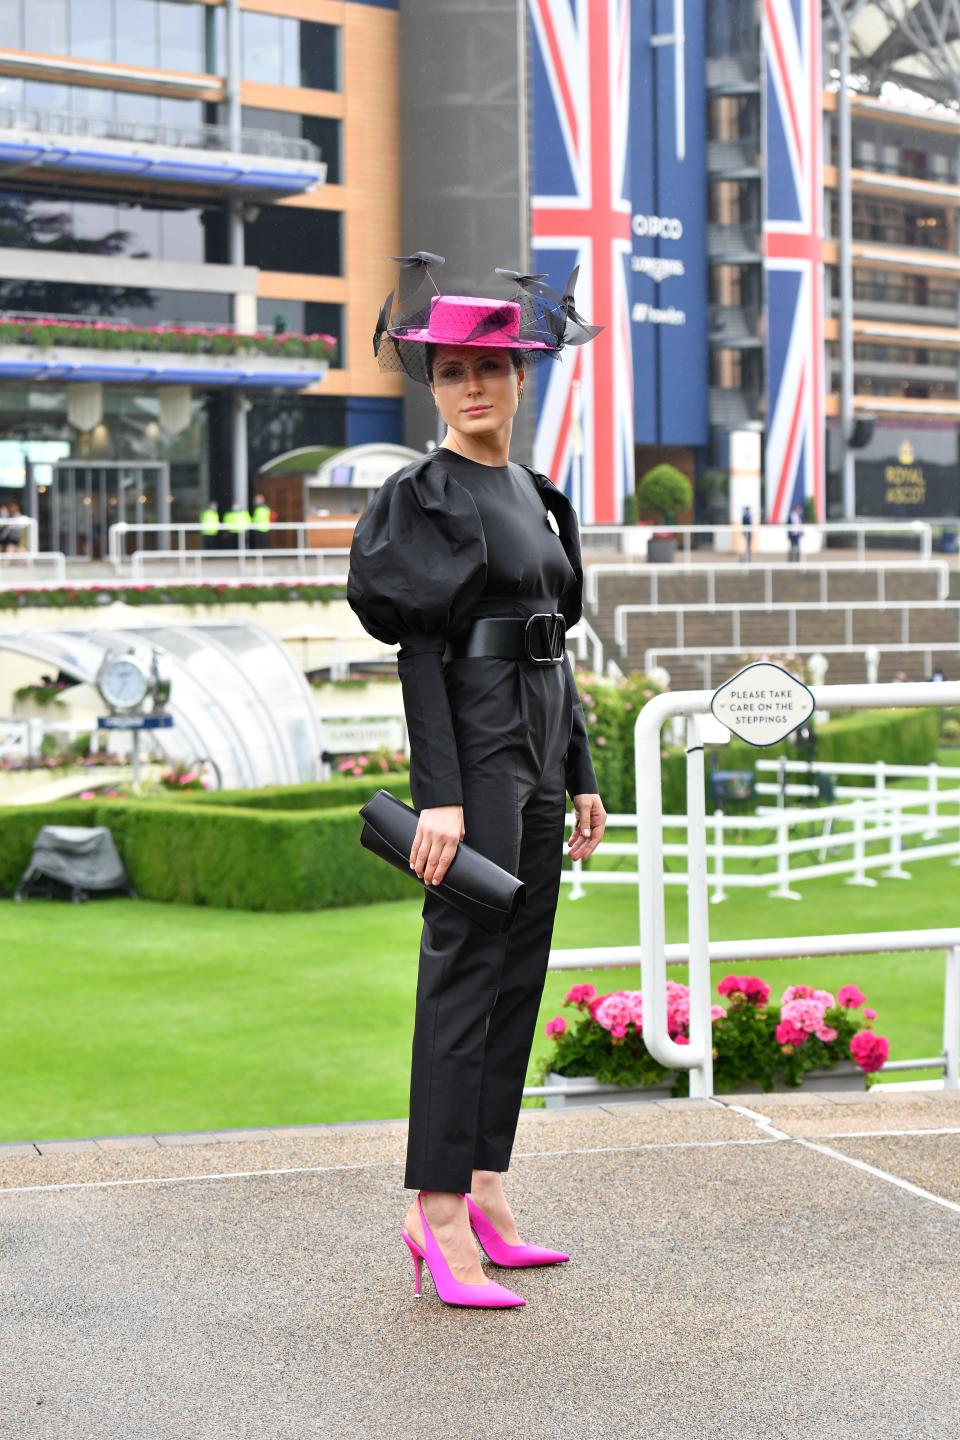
763,703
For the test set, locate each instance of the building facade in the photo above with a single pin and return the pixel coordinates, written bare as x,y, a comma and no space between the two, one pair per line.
188,187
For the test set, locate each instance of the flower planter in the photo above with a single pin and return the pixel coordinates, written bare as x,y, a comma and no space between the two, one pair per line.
661,549
846,1075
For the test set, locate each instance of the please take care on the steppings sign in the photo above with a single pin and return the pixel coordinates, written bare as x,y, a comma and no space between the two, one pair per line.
762,703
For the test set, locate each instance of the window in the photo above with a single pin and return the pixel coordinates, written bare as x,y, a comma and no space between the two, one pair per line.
309,317
280,51
100,227
45,27
91,29
324,132
292,239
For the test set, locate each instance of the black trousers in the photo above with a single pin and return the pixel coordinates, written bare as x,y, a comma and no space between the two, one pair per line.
478,995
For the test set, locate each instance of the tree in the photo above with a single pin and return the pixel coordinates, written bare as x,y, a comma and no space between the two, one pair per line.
665,489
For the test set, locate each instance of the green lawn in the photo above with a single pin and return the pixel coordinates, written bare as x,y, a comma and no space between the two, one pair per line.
123,1016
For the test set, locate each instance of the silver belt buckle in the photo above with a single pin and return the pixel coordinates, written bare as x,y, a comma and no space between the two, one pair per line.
552,630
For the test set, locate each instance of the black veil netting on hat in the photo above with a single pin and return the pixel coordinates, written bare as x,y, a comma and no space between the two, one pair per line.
548,321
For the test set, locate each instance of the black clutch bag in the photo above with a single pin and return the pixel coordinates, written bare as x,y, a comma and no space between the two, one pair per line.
473,884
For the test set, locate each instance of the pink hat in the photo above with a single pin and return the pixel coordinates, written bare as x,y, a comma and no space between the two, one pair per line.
471,320
536,320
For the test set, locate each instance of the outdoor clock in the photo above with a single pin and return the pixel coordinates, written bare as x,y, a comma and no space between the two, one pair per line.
124,680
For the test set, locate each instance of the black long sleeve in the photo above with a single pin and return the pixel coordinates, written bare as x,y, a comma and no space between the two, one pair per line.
434,762
581,777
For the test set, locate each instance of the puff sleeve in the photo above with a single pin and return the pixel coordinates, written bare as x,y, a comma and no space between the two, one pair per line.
418,564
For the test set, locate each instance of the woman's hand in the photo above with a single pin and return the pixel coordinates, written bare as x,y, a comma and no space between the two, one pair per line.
588,826
435,844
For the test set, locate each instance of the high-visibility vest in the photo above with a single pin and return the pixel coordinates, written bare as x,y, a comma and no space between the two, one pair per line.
209,520
261,517
237,520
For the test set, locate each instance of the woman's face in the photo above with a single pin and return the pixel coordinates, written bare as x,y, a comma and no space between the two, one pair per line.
475,387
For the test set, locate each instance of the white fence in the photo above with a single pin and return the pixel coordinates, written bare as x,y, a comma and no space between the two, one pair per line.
599,570
49,565
871,655
654,954
180,549
766,537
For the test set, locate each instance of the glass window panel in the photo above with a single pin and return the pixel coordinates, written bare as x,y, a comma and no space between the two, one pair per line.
45,26
11,91
294,240
141,231
280,316
319,56
187,115
181,36
11,19
279,122
262,44
46,96
291,52
91,29
181,236
136,32
326,318
326,133
131,106
84,101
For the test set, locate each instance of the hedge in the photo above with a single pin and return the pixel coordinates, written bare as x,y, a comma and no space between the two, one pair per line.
297,847
236,859
313,795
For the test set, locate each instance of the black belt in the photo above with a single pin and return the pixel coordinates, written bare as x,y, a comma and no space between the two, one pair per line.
538,638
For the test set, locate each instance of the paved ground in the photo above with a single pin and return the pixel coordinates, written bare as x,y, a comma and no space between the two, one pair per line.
754,1268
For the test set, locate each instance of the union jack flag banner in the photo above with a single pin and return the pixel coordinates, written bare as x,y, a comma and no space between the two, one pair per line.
580,215
793,257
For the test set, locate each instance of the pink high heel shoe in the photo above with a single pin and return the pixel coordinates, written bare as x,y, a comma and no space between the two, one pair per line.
451,1291
500,1252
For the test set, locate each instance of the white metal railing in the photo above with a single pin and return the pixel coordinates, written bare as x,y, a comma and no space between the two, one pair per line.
742,952
696,1056
182,542
25,523
587,639
631,537
781,608
598,570
884,817
705,655
258,563
27,562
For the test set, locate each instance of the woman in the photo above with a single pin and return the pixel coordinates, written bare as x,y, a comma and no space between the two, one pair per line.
450,560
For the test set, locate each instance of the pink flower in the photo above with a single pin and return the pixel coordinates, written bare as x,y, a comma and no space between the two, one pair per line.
754,990
717,1012
869,1050
88,795
357,770
555,1027
796,992
601,739
850,997
614,1014
788,1033
806,1015
682,1039
826,1034
825,998
579,994
870,1014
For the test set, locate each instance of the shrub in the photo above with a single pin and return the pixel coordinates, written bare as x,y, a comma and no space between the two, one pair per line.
666,490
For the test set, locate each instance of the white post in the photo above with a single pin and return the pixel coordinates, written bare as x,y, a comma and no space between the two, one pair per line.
577,890
896,871
698,925
957,860
951,1020
719,893
859,876
933,817
783,891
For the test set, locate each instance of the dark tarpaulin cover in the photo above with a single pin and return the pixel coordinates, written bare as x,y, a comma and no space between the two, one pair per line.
79,856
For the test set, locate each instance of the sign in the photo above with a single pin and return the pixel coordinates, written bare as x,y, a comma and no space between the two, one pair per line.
668,187
351,736
134,722
763,703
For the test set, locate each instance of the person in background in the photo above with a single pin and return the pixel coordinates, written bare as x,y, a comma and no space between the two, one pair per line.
236,522
937,673
5,530
209,525
795,533
746,520
262,516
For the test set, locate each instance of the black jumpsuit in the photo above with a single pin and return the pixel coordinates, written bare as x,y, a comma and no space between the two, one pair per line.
444,541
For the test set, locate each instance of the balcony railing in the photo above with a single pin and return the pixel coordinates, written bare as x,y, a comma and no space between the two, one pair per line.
150,132
260,162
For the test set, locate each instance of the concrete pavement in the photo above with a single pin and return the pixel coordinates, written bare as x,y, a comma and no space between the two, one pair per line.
754,1267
